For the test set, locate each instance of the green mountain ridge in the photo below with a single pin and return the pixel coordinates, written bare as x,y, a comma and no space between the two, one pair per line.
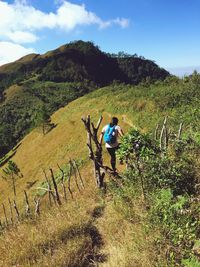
35,83
77,61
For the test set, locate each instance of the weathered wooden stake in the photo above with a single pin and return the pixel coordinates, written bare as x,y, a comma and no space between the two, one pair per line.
69,180
162,133
63,183
166,139
16,210
37,206
55,188
180,131
75,176
11,211
14,186
5,215
27,207
79,174
50,192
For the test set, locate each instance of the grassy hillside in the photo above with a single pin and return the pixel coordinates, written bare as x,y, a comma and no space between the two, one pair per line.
52,80
96,228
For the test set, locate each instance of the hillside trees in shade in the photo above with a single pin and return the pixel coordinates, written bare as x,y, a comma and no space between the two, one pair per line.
11,173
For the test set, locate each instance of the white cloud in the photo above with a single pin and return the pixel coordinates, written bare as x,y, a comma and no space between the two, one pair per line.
124,23
10,52
22,37
20,21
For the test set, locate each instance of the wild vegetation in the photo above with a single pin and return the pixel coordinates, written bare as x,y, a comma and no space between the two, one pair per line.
167,178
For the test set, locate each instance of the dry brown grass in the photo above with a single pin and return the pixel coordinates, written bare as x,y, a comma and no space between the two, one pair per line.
60,237
88,231
126,242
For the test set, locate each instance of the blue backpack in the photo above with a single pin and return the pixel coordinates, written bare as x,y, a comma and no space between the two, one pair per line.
110,135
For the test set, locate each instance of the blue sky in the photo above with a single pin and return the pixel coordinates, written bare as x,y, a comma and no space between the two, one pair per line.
164,31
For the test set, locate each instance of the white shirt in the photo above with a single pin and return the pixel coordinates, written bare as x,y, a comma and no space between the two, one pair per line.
117,129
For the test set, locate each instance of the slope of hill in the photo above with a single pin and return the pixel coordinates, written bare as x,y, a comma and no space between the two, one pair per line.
92,229
49,81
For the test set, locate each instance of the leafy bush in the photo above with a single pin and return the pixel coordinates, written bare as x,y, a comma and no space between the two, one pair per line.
178,219
168,181
155,169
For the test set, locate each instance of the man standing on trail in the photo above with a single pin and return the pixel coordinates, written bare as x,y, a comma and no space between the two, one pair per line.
110,134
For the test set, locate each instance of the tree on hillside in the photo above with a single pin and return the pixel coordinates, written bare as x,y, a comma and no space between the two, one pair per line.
42,119
11,173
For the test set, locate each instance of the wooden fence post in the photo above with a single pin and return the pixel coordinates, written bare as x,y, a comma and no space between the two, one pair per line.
63,183
75,176
5,215
11,211
162,133
27,207
55,188
166,140
37,206
69,180
16,210
79,174
50,192
180,131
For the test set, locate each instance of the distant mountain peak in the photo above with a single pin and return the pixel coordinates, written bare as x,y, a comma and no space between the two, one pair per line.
78,61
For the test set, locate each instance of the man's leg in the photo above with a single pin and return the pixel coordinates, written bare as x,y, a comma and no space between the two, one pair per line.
111,151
